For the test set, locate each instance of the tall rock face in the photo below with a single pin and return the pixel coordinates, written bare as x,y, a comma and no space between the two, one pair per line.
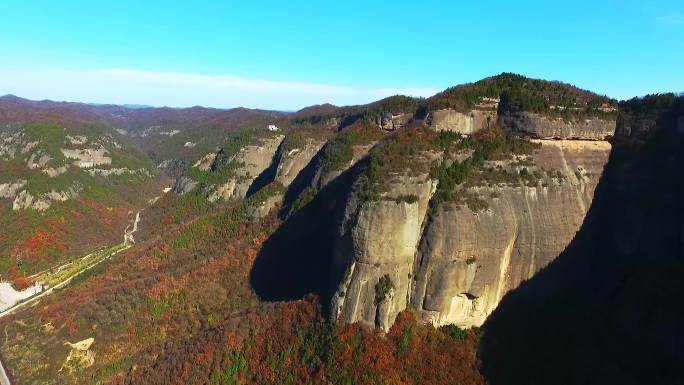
454,263
546,127
293,160
468,260
250,162
462,122
378,238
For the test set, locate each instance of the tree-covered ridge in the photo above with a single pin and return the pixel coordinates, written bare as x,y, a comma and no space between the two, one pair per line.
653,103
519,93
328,117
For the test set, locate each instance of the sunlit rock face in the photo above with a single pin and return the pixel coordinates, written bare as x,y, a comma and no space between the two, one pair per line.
380,238
467,260
463,123
451,264
292,161
251,161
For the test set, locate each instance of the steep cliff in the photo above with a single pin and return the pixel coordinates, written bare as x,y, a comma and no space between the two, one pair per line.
541,126
460,122
293,159
378,238
453,257
602,312
468,260
230,172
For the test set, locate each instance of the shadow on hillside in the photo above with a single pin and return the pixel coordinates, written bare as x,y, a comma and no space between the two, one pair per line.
609,309
301,182
296,260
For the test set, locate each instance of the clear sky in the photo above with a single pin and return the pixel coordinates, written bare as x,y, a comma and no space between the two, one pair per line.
288,54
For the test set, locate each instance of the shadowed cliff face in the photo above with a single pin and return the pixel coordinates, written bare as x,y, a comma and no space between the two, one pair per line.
296,259
608,309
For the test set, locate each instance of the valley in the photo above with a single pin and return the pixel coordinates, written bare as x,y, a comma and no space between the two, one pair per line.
403,241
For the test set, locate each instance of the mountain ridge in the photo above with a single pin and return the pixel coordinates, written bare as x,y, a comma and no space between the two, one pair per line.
368,233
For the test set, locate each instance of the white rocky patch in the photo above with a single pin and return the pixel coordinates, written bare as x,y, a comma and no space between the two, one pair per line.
204,164
77,140
116,171
190,144
88,157
37,160
80,355
54,172
9,190
169,133
26,200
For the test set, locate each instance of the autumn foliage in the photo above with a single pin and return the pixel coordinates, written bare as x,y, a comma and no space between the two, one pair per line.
290,343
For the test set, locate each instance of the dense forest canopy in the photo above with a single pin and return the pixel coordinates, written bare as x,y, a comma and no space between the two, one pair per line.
520,93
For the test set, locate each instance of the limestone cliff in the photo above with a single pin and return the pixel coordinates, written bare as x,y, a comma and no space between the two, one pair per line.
249,162
545,127
463,123
293,160
468,260
452,263
378,238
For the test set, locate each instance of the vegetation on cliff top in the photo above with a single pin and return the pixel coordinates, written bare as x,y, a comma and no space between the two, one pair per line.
520,93
339,151
485,145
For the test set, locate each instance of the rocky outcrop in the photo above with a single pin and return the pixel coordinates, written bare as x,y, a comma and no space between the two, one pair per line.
263,208
454,264
88,157
463,123
25,200
10,190
557,128
80,356
292,161
53,172
183,185
249,163
323,176
390,122
378,238
38,159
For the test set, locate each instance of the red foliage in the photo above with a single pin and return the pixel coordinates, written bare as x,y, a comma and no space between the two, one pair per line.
20,282
17,277
291,343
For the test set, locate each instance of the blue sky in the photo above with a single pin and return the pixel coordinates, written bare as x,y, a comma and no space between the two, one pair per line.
289,54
